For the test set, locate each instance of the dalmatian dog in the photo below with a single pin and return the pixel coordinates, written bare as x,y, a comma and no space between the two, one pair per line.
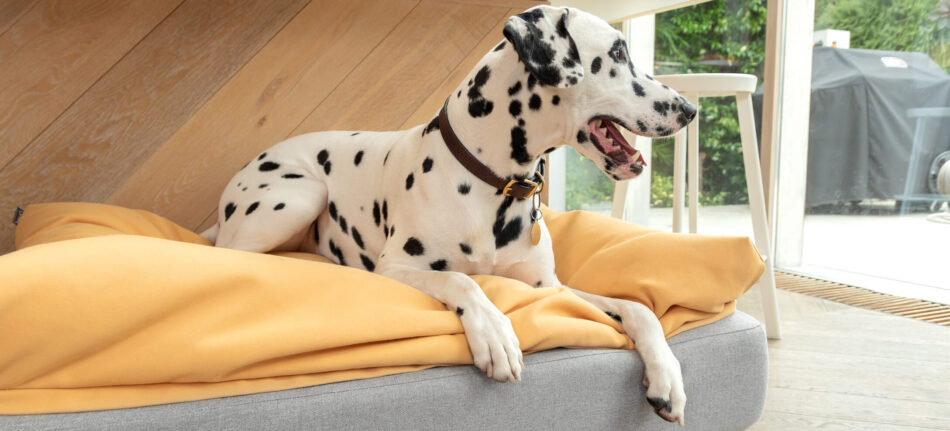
402,205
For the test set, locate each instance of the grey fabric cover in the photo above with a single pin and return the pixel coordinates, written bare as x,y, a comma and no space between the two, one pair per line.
725,367
860,136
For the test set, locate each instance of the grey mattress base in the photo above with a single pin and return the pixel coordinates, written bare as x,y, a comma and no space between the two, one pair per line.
725,367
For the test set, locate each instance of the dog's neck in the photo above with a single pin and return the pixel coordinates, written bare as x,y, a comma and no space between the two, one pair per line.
495,136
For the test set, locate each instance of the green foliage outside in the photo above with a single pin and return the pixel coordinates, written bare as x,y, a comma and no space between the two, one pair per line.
729,36
892,25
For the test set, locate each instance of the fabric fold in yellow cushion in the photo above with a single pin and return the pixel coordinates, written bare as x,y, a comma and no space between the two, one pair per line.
92,317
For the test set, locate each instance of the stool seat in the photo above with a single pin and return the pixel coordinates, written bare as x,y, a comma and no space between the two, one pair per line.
710,84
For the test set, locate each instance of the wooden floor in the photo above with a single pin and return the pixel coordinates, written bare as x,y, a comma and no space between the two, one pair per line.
839,367
155,104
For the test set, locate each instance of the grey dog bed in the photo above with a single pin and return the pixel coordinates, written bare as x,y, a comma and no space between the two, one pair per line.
725,368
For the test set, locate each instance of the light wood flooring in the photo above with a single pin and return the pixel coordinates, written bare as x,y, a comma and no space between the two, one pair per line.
839,367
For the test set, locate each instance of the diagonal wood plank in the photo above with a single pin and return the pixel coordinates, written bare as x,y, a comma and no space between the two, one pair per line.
11,10
260,106
434,102
405,68
56,51
140,102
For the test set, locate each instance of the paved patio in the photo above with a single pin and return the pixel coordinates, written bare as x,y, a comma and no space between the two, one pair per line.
901,255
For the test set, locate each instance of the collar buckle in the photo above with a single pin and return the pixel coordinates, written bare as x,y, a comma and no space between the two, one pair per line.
524,188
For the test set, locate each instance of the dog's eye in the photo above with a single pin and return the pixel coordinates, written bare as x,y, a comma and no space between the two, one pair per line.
620,54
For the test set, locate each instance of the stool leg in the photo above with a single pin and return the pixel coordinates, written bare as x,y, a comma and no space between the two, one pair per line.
695,172
753,175
679,179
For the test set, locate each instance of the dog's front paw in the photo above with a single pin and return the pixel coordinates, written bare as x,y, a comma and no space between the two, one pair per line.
494,345
664,381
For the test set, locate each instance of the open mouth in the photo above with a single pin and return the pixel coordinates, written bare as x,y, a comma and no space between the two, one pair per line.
610,142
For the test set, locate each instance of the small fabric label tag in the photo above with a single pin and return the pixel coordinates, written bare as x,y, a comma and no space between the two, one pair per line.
16,215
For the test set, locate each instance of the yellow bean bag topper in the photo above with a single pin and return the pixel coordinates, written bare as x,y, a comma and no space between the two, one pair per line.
105,307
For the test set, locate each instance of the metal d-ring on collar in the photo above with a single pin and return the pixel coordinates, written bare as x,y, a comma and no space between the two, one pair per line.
521,189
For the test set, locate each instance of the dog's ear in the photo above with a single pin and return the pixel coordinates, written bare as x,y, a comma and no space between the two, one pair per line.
542,41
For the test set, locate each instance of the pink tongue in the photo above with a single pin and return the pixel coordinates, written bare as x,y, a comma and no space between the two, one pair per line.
619,142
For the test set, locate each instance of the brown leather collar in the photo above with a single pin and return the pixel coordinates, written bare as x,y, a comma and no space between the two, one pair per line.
515,188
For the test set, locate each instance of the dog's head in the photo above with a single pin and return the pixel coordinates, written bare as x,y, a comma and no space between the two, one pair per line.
585,62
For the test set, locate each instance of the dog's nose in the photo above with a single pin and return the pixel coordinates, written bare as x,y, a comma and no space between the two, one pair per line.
689,111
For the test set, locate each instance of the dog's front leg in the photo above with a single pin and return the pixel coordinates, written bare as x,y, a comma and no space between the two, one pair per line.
494,345
662,375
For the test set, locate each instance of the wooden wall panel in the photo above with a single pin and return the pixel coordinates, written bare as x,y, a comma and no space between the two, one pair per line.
173,101
259,107
57,50
140,102
406,67
11,10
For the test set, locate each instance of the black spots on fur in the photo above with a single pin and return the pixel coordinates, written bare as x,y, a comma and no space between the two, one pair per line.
336,251
244,189
464,188
262,186
316,234
268,166
638,89
478,106
460,311
386,159
532,81
322,156
649,77
376,213
608,164
535,102
291,176
343,224
354,133
613,73
562,27
332,209
568,63
459,95
358,158
549,150
385,210
467,249
409,180
426,165
514,108
537,283
572,80
555,100
368,263
326,167
661,108
433,125
413,247
521,122
596,142
228,210
595,65
385,230
504,230
581,136
357,238
514,89
519,146
261,157
251,208
642,127
500,46
392,230
279,206
614,316
664,131
439,265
